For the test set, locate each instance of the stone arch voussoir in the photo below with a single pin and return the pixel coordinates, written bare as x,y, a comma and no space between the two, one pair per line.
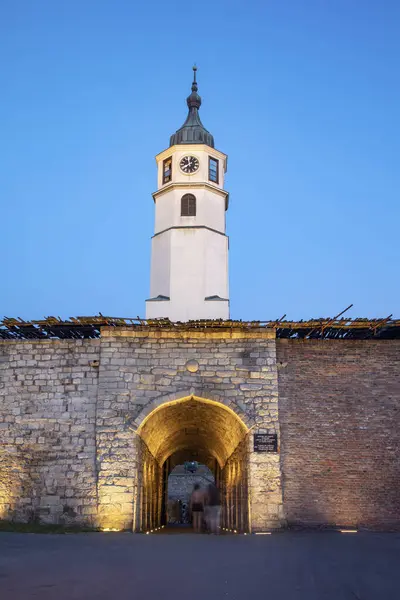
201,394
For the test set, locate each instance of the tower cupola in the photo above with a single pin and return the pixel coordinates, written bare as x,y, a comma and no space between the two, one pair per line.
193,130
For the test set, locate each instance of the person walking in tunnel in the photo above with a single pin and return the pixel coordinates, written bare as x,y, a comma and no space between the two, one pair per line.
213,509
180,511
197,507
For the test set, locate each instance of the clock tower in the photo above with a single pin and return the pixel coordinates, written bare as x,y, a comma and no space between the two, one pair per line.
189,258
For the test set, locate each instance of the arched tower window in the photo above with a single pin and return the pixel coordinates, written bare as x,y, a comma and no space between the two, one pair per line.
188,205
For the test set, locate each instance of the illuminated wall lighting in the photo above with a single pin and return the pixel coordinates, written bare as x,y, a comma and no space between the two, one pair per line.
348,530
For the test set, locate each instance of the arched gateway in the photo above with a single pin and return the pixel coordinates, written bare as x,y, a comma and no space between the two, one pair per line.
166,397
189,429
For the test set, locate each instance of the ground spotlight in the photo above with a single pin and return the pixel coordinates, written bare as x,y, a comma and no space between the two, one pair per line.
348,530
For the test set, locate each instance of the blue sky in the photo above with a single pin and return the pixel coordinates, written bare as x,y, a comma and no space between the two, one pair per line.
304,97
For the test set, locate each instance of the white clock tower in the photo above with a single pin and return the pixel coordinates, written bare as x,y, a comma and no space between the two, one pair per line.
189,259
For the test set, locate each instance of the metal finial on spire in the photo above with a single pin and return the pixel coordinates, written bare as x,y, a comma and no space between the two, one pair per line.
194,84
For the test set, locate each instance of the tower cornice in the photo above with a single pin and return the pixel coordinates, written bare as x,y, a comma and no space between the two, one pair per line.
192,148
193,185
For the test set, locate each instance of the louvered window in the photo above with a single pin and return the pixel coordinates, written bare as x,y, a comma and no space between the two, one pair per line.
188,205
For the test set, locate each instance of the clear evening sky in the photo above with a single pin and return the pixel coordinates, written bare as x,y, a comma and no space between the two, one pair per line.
304,97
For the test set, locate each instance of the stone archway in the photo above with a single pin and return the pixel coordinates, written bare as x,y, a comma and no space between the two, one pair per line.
195,423
192,427
233,405
231,374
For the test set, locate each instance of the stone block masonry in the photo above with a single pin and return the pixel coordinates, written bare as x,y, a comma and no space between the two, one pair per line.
70,412
142,371
48,394
86,426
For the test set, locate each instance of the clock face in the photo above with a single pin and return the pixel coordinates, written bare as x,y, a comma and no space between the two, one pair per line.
189,164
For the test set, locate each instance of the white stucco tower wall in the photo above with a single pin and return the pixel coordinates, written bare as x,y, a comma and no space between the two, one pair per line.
189,255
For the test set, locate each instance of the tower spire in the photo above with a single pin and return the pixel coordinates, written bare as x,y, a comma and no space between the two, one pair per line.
193,130
194,84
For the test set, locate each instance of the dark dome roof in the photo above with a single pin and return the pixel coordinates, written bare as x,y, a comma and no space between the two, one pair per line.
193,130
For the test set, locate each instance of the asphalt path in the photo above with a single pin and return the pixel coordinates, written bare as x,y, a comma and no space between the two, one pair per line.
282,566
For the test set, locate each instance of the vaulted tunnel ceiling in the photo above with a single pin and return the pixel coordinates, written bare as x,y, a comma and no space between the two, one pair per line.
192,425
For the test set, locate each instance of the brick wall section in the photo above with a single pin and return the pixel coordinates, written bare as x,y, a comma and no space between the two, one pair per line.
48,392
339,409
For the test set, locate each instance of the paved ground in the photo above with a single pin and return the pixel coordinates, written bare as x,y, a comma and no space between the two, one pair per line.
286,566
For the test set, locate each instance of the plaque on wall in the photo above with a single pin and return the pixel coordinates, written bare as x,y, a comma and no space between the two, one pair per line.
265,442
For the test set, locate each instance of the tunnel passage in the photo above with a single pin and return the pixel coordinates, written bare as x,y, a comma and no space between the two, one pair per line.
180,483
193,429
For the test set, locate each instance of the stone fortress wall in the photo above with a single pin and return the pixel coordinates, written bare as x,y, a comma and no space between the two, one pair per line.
48,395
72,413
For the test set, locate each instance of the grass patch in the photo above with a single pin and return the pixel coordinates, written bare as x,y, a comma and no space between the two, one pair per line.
43,528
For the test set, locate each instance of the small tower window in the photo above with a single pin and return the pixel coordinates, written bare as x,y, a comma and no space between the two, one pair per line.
188,205
213,169
167,170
